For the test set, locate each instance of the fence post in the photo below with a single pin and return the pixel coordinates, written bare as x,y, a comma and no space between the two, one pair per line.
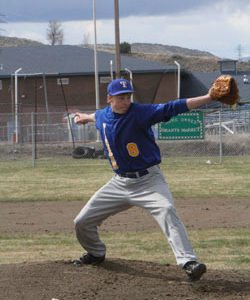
33,140
220,137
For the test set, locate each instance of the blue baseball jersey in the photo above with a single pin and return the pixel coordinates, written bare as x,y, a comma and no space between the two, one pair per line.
128,138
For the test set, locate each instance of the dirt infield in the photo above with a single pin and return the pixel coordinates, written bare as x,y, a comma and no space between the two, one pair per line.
116,278
43,217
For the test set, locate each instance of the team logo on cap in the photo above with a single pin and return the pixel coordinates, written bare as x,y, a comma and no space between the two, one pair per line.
124,84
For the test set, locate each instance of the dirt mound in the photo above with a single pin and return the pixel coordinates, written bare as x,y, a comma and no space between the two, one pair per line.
117,279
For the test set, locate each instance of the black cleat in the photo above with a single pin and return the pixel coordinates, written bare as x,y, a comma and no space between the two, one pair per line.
88,259
194,270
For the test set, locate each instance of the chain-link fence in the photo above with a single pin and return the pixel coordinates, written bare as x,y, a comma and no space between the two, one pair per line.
44,135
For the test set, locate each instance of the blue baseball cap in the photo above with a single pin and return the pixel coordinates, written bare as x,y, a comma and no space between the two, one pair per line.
119,86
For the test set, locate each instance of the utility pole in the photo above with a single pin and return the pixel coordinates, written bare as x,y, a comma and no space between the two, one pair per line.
97,94
117,41
179,79
96,61
131,82
16,104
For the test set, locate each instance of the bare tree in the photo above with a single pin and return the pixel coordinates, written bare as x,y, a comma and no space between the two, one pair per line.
2,21
86,39
55,33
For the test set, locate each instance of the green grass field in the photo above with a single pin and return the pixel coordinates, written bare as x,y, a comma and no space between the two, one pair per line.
67,180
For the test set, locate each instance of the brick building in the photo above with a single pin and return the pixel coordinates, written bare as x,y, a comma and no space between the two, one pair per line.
55,76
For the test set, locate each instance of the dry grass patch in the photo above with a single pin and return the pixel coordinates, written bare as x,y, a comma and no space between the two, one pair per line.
69,179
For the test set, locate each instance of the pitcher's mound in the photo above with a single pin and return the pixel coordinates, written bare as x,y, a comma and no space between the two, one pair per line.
117,279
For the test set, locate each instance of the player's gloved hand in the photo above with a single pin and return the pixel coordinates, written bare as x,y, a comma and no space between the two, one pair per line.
225,90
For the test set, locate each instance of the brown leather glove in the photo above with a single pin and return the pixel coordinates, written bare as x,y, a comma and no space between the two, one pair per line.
225,90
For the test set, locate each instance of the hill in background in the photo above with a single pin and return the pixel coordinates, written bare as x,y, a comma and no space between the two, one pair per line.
187,62
147,48
190,59
15,42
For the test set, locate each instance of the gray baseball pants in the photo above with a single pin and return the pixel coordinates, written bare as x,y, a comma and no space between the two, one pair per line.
149,192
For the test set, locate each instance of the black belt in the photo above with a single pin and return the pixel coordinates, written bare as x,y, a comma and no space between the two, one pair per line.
134,174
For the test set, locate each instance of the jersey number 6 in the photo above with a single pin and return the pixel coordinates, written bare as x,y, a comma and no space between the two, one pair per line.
132,149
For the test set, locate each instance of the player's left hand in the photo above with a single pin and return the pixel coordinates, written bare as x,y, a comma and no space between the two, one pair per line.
225,90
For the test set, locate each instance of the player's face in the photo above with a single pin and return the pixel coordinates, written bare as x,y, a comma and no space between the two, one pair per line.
119,103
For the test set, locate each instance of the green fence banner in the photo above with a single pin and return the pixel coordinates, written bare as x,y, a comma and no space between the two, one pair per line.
187,126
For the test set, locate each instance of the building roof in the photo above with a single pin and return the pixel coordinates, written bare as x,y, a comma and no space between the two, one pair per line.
70,60
75,60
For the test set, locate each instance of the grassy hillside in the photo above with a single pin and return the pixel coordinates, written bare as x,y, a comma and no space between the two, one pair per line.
192,60
147,48
191,63
15,42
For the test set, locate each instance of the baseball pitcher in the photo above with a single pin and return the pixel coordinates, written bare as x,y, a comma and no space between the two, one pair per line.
134,156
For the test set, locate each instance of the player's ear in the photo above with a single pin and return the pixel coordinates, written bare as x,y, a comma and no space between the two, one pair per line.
109,98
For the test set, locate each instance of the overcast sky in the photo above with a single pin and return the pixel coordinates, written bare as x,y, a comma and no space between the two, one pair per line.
217,26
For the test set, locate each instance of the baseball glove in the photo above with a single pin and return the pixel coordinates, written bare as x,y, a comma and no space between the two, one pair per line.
225,90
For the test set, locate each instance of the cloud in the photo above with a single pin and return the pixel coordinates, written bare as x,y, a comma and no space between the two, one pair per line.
75,31
64,10
218,28
240,21
35,31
